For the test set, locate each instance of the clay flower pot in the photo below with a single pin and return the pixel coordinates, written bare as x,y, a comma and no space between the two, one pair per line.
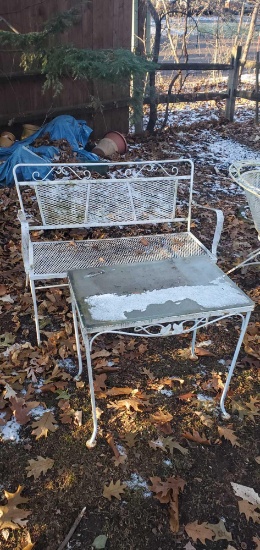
29,130
112,142
7,139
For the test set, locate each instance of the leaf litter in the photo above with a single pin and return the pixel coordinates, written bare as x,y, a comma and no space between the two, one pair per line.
23,362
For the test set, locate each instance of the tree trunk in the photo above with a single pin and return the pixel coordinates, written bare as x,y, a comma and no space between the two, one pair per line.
156,51
139,81
250,35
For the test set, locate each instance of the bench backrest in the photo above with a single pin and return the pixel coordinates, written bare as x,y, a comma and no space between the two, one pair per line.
105,194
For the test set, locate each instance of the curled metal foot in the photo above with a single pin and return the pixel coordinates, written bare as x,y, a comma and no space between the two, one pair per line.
90,444
77,378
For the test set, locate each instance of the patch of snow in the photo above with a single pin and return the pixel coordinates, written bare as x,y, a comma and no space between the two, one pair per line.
222,361
37,412
203,397
67,364
121,449
137,481
203,344
168,393
167,462
113,307
10,432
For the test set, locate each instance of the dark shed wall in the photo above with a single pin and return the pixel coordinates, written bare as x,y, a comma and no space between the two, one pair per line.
104,24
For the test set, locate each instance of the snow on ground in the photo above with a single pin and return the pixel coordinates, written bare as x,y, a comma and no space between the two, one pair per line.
137,482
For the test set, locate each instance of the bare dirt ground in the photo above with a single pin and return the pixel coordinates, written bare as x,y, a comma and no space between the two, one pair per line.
192,455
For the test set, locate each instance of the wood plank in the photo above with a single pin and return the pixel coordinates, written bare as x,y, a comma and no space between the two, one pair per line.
194,67
188,98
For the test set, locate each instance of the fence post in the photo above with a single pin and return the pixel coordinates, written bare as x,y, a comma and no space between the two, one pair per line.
232,83
257,88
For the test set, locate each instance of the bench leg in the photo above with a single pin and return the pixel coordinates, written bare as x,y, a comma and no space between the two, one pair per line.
36,318
245,322
88,344
193,344
75,321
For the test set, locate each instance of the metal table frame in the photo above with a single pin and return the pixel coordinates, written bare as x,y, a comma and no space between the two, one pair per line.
159,328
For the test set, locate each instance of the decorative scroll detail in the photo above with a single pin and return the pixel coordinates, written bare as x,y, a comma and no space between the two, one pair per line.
172,329
66,171
79,171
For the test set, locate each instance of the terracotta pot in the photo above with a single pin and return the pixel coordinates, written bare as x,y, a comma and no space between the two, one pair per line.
112,142
29,130
7,139
119,141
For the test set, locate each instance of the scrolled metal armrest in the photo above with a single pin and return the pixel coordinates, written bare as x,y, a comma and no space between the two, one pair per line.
219,226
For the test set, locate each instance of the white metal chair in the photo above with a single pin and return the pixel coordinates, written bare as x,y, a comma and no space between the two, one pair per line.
247,175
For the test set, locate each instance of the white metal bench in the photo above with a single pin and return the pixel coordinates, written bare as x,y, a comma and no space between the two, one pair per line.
247,175
161,283
72,196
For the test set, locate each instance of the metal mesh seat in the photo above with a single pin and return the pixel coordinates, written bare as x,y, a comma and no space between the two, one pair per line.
57,258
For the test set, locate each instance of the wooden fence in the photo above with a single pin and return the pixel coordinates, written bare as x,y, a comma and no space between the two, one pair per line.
104,24
231,93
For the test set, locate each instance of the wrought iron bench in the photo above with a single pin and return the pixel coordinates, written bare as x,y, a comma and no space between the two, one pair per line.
160,281
247,175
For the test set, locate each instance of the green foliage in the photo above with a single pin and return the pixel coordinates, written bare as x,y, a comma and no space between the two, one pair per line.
38,54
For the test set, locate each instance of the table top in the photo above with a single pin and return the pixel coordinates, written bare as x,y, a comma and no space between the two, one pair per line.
130,295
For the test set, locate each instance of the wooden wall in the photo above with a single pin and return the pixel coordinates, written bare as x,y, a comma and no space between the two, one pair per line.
104,24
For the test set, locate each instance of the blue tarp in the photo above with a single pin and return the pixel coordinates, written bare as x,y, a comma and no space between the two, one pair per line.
76,132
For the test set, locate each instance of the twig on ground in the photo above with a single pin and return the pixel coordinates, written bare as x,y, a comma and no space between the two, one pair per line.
73,528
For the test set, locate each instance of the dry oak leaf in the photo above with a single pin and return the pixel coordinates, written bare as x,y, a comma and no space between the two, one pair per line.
45,424
195,436
12,517
148,373
204,352
39,466
99,382
130,403
205,419
114,490
21,409
161,417
129,439
257,542
250,510
228,434
119,391
220,531
198,531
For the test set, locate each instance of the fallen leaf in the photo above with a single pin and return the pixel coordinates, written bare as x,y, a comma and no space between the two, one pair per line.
257,542
161,417
246,493
100,542
250,510
204,352
198,531
39,466
112,444
186,396
45,424
101,353
257,459
13,517
6,339
228,434
129,439
99,382
120,460
205,419
119,391
220,531
130,403
148,373
114,490
195,436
